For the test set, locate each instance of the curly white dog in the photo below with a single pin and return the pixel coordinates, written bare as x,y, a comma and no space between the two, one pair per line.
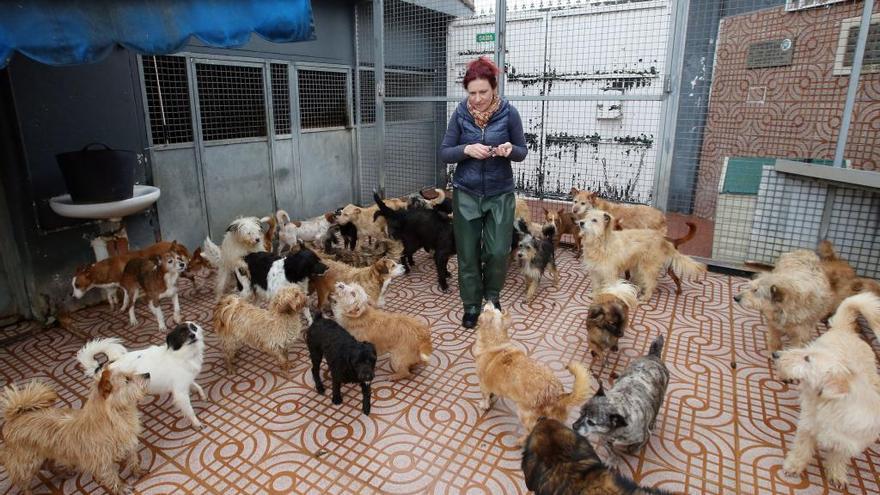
839,391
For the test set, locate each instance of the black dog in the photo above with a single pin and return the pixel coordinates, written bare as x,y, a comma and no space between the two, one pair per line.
421,228
349,232
349,361
268,272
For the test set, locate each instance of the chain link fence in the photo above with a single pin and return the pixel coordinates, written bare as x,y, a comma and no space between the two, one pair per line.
687,106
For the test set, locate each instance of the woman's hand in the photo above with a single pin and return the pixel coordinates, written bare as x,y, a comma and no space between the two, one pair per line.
478,151
503,149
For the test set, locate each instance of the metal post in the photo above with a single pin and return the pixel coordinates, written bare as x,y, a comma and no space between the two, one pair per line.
379,68
861,42
500,41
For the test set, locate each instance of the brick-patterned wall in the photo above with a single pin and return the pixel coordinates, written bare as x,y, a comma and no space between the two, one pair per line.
800,116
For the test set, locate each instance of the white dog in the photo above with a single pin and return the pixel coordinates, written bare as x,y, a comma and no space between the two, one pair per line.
311,230
839,391
243,236
173,367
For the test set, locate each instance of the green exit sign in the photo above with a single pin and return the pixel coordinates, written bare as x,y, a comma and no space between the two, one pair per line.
485,37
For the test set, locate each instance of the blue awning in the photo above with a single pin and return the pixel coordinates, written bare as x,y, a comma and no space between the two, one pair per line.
68,32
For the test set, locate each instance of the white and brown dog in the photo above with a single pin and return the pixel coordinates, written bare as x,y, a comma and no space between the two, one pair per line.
839,391
311,230
243,236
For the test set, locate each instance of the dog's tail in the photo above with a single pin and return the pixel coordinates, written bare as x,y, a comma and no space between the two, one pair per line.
521,226
211,252
625,291
441,197
112,348
865,304
426,349
269,235
549,231
34,396
282,217
580,392
826,251
692,231
384,210
656,349
685,266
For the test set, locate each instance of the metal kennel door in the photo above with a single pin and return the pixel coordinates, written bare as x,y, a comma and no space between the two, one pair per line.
233,135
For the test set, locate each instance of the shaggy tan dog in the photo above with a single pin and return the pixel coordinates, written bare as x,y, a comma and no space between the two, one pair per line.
373,279
407,339
627,216
522,210
792,298
506,371
92,439
239,323
644,253
839,391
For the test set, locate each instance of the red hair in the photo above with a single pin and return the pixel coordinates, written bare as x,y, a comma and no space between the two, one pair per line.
481,68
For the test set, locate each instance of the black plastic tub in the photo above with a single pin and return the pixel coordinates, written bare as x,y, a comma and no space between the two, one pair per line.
98,175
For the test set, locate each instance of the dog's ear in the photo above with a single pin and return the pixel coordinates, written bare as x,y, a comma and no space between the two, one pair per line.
601,391
233,227
777,295
573,191
382,266
595,312
177,337
104,385
546,212
560,212
617,421
607,218
836,383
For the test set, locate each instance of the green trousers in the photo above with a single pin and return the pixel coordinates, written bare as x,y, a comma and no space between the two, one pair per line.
483,231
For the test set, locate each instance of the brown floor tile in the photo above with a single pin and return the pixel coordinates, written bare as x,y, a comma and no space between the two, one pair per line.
722,429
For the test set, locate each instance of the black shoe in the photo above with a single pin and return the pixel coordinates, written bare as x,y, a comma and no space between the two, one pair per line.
469,320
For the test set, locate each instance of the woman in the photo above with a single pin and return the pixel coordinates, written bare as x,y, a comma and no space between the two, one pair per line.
485,133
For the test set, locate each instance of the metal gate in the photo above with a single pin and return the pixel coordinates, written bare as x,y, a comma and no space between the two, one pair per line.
592,84
234,136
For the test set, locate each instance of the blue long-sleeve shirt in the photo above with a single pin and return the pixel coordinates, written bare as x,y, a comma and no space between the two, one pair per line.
493,175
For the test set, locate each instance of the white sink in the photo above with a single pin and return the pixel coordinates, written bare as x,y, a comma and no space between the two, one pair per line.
143,197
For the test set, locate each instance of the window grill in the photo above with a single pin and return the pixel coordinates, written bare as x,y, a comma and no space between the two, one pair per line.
323,99
168,103
281,98
231,101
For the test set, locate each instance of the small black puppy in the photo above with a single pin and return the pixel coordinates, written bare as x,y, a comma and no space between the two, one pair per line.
349,361
349,232
421,228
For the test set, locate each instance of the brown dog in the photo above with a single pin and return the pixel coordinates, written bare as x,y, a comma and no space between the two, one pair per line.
406,338
645,253
609,316
157,279
558,461
92,439
374,279
107,274
627,216
565,223
505,370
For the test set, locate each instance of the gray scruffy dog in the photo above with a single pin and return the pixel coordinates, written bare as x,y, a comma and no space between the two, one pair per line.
625,415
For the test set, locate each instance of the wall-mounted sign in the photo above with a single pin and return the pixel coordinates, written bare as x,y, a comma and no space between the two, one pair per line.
485,37
773,53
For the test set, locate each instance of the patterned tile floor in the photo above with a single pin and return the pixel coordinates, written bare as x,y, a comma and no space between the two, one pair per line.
723,429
